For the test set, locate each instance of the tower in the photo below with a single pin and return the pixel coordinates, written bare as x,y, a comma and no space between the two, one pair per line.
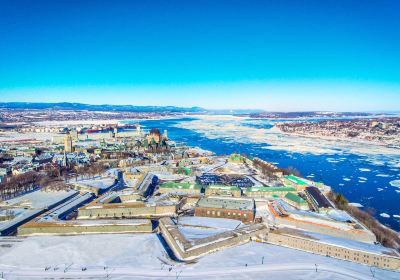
65,159
68,143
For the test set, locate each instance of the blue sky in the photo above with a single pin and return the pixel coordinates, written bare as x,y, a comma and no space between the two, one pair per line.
274,55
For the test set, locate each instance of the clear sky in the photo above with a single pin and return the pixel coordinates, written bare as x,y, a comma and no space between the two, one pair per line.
275,55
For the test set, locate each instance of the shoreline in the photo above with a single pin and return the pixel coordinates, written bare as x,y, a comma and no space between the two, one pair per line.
336,139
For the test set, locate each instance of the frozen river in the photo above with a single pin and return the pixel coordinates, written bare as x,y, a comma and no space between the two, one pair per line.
367,175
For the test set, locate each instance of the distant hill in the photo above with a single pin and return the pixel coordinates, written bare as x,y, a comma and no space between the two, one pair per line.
311,114
104,107
254,113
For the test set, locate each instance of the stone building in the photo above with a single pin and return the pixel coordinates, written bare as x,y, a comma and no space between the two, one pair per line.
223,190
291,238
85,227
68,143
189,188
126,210
268,191
295,200
226,207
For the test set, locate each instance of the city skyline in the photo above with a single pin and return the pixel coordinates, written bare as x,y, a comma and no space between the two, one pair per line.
304,55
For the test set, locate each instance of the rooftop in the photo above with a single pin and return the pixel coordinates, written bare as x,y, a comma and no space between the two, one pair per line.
227,203
223,187
318,197
271,189
295,198
174,185
295,180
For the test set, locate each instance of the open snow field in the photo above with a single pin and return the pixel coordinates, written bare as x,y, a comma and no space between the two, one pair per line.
142,256
98,182
201,227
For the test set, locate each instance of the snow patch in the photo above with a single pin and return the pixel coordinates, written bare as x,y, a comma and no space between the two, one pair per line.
395,183
383,175
364,169
356,204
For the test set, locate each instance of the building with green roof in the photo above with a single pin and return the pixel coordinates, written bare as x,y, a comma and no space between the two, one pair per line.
223,190
235,158
297,182
268,191
183,187
295,200
183,170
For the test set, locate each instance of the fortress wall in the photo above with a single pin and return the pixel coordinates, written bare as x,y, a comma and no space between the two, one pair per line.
218,245
363,237
96,213
126,212
66,229
317,247
179,246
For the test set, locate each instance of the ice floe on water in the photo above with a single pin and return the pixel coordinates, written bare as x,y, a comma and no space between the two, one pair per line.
364,169
356,204
333,160
396,216
341,184
240,130
363,178
395,183
347,179
383,175
379,189
384,215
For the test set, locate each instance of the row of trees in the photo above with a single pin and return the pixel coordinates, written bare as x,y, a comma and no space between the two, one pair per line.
91,171
384,235
290,170
50,175
270,170
266,169
13,186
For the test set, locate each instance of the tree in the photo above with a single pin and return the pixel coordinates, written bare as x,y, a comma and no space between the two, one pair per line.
292,171
341,200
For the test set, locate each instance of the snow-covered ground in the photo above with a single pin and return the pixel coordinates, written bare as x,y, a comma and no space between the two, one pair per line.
201,227
141,256
351,244
17,136
227,224
192,233
98,182
30,205
38,199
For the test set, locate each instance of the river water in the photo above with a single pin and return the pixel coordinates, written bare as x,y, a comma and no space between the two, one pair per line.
369,176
